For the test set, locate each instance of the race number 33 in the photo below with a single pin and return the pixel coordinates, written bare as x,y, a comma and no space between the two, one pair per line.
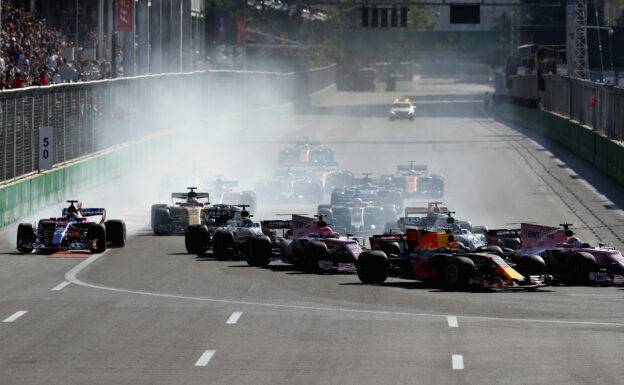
46,148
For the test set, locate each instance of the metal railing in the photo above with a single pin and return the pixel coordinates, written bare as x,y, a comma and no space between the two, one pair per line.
596,105
93,116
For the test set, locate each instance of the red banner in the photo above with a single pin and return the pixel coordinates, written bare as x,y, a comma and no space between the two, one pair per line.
240,31
125,10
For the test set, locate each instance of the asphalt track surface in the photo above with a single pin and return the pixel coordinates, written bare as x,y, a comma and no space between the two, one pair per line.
151,314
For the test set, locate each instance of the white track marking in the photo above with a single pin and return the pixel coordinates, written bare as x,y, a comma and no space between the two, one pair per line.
452,321
15,316
71,277
234,318
205,358
458,362
61,286
254,286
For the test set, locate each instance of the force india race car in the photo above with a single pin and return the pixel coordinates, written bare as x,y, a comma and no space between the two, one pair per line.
168,219
436,259
402,109
567,257
309,244
72,231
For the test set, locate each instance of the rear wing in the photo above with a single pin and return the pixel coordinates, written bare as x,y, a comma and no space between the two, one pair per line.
412,167
277,224
88,212
428,240
493,235
199,195
308,142
425,210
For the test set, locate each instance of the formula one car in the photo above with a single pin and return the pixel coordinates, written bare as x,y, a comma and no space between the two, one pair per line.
415,181
363,208
437,259
309,244
290,185
569,258
402,109
226,192
432,217
188,210
306,154
72,231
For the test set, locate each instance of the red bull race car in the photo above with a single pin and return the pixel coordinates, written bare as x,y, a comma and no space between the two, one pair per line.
72,231
438,260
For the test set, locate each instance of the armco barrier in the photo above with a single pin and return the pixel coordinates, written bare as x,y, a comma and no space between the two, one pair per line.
28,195
605,154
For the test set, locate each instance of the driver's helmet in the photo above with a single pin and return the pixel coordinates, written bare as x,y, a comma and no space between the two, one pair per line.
357,202
574,241
247,223
325,232
191,201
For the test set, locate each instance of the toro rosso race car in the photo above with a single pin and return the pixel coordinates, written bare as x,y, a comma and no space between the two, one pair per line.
438,260
310,244
188,210
306,153
568,257
72,231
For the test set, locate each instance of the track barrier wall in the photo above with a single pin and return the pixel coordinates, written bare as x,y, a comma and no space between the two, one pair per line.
605,154
79,112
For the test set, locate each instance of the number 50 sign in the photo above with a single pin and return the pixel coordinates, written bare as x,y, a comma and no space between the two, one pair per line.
46,148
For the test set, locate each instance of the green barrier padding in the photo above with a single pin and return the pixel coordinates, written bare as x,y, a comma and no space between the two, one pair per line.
605,154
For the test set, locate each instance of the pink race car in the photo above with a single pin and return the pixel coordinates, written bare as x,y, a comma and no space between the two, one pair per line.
569,258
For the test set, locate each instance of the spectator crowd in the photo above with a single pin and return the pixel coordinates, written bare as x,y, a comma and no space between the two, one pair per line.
34,54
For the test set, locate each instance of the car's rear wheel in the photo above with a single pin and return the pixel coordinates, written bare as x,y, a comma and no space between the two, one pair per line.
223,242
162,224
115,232
196,239
259,251
372,267
25,238
153,216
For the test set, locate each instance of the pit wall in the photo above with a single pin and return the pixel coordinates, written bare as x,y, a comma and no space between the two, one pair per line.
605,154
48,188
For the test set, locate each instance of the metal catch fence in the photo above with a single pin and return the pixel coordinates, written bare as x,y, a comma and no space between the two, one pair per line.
94,116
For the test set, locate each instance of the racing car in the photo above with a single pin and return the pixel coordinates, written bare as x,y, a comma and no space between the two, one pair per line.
438,260
188,209
568,257
308,243
232,236
433,217
226,192
306,153
291,185
415,181
402,109
72,231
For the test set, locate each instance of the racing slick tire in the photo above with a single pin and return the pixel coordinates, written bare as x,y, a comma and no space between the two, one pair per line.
161,221
580,264
258,251
389,248
373,216
493,249
154,208
196,239
342,218
457,273
530,264
223,241
115,232
479,229
372,267
97,233
395,198
510,243
336,196
313,253
25,238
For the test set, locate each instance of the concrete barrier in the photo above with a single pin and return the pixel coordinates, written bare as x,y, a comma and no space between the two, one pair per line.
605,154
48,188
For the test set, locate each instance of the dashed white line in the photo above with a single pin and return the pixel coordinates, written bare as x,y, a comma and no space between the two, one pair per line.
234,318
61,286
458,362
15,316
205,358
452,321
